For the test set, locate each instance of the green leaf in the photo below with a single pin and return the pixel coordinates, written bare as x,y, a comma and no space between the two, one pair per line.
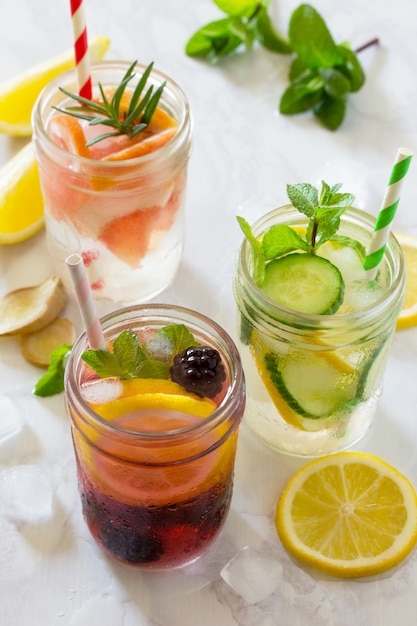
336,85
304,197
258,273
300,71
179,336
52,382
104,363
330,112
241,8
241,29
301,96
281,239
267,35
129,353
311,39
154,369
213,41
351,68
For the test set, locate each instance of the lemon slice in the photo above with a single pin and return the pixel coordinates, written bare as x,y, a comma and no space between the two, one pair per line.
349,514
408,315
18,94
144,393
21,203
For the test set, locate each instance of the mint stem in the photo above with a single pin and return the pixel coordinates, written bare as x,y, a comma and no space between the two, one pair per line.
372,42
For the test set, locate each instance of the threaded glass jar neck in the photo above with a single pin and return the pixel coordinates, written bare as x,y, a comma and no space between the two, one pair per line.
265,313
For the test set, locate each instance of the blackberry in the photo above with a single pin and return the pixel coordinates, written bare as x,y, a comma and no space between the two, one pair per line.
199,370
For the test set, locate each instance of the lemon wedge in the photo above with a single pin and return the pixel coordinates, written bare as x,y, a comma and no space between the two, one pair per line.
408,315
21,202
19,93
349,514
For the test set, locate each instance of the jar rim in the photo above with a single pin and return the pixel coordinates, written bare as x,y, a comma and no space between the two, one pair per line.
271,309
182,135
225,344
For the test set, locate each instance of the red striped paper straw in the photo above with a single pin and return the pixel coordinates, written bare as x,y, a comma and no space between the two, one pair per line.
82,59
85,302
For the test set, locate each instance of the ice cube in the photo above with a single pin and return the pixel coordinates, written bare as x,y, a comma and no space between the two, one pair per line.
25,494
360,294
11,421
252,574
159,347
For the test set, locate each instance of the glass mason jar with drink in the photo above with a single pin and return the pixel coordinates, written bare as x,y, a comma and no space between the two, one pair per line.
113,176
314,331
155,423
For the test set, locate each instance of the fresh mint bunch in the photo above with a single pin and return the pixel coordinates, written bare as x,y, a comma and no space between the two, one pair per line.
131,359
247,21
323,73
323,210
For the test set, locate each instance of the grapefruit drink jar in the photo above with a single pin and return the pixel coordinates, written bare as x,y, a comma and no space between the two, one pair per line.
155,449
119,201
314,380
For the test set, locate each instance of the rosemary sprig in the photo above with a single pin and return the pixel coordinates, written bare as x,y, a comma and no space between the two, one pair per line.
130,122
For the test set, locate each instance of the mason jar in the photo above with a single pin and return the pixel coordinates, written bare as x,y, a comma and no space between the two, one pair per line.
156,479
124,214
314,381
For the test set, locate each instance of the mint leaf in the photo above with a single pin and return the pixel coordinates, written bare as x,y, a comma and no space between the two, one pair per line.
258,272
241,8
52,382
335,84
104,363
351,68
330,112
281,239
179,336
213,41
311,39
266,34
301,96
154,369
304,197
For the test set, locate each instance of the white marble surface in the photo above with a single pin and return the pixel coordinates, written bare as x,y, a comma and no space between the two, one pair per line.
51,573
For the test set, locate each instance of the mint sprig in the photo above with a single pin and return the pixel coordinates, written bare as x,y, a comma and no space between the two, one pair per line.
323,73
324,211
131,359
247,21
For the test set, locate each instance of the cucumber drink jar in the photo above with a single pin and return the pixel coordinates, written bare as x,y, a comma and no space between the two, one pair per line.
314,379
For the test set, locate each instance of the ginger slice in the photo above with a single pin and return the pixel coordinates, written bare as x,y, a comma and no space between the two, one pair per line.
32,308
37,347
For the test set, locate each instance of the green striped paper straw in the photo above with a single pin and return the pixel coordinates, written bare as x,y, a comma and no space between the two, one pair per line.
387,212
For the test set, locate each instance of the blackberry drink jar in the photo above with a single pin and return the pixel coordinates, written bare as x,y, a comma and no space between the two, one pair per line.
313,381
156,483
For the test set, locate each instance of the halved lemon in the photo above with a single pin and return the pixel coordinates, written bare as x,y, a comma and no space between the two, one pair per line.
18,94
349,514
21,203
408,315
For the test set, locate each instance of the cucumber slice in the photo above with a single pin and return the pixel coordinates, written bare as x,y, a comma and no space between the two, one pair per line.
310,384
373,370
304,282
